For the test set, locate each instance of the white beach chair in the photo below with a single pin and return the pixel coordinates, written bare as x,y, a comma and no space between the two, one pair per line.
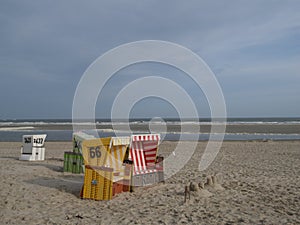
33,148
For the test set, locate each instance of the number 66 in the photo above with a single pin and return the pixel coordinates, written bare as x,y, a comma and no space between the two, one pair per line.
95,152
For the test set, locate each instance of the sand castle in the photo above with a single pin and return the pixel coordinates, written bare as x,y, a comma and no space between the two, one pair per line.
202,189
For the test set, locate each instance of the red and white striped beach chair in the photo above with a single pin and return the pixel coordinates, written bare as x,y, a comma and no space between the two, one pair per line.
143,151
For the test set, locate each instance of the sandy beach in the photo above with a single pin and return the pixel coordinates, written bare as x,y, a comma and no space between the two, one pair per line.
260,180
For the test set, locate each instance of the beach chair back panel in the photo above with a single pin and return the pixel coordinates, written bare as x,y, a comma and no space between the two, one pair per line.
150,152
31,141
39,140
143,150
27,144
78,137
138,157
95,151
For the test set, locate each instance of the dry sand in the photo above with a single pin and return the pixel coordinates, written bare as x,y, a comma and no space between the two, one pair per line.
261,183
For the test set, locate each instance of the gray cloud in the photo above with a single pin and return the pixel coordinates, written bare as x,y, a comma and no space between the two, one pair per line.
250,45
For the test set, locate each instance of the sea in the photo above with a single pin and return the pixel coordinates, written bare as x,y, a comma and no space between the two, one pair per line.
61,129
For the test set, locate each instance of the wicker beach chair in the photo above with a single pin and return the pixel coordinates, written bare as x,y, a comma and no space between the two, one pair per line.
143,152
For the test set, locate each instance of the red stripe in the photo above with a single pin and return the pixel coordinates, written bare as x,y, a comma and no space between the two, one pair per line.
146,137
150,153
140,162
150,143
150,147
150,150
138,156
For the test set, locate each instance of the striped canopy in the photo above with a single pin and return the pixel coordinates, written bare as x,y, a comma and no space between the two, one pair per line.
143,151
118,147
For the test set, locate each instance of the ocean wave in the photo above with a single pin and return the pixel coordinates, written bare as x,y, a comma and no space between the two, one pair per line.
15,128
12,134
147,122
263,123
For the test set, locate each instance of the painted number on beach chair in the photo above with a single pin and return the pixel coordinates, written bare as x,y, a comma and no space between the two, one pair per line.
27,140
95,152
38,140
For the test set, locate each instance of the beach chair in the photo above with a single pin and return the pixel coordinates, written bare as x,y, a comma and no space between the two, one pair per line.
73,161
98,177
143,152
33,148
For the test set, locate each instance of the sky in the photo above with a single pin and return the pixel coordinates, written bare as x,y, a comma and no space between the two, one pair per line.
252,47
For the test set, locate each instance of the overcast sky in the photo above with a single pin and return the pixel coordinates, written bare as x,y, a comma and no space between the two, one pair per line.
253,48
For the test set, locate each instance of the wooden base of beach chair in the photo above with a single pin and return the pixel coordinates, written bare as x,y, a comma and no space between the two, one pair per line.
140,180
73,162
160,176
117,187
37,154
98,183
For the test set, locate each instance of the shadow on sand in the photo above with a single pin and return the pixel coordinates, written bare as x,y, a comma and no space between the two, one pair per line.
70,184
9,157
